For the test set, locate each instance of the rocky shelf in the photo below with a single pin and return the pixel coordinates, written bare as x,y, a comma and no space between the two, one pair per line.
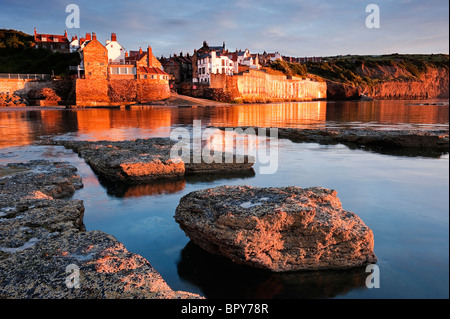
145,160
44,245
278,229
430,143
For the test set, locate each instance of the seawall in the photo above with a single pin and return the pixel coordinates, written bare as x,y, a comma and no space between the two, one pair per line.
102,92
257,86
21,87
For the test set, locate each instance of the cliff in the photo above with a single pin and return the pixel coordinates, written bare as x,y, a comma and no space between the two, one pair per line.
394,84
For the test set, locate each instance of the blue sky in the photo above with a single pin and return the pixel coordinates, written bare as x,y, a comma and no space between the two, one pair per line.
292,27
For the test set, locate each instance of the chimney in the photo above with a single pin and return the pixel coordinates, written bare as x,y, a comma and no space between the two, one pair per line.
35,33
88,36
126,54
149,57
94,36
113,37
140,50
224,45
65,33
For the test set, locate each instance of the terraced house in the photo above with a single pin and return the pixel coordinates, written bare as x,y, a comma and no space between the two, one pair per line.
109,76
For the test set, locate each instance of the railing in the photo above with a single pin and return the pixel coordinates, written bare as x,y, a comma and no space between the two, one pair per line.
17,76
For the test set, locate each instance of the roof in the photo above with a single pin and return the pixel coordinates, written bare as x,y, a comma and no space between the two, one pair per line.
51,38
136,56
151,70
178,59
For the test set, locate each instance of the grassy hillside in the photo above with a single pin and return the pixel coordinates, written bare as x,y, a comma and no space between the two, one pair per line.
17,55
350,69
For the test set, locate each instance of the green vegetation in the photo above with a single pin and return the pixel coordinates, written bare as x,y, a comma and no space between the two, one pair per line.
289,69
17,55
349,69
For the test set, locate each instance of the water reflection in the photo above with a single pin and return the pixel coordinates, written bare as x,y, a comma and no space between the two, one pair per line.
167,186
123,190
22,127
218,277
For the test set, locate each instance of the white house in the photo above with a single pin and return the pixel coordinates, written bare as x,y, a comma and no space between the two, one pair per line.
116,53
275,56
74,44
214,63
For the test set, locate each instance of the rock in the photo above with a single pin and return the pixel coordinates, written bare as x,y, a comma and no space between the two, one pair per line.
430,143
42,233
12,100
38,179
137,161
279,229
144,160
436,140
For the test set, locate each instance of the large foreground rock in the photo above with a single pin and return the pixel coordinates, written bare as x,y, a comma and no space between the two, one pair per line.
42,233
145,160
280,229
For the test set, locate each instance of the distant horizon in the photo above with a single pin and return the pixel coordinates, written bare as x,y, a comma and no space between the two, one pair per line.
293,28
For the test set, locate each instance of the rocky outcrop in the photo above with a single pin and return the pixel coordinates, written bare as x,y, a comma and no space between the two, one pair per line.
12,100
429,143
280,229
394,83
144,160
433,140
45,252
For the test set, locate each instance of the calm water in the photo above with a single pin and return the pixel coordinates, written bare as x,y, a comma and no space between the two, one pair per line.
404,200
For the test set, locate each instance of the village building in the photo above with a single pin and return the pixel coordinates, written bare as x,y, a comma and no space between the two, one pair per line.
267,58
52,42
74,44
116,53
108,76
214,63
179,68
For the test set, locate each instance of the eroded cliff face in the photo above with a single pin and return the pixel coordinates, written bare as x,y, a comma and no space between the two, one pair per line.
393,82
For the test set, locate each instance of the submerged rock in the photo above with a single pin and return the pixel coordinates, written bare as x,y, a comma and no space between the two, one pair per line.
145,160
280,229
44,245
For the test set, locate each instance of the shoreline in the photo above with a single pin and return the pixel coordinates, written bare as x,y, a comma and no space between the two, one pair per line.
180,101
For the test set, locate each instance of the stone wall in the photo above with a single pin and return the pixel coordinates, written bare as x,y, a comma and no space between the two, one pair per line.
259,86
92,92
139,90
21,87
149,90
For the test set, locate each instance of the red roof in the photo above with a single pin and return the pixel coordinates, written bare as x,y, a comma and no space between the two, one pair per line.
52,38
151,70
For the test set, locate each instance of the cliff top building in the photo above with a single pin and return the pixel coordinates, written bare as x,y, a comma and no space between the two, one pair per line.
52,42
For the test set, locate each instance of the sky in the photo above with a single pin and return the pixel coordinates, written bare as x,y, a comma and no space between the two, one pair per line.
292,27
